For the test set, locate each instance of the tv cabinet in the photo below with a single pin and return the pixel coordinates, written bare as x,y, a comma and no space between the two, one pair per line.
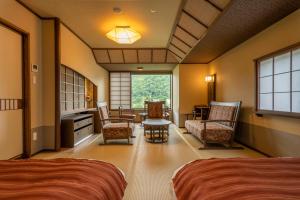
76,128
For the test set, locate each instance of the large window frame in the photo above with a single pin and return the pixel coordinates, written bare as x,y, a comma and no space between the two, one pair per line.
142,73
290,50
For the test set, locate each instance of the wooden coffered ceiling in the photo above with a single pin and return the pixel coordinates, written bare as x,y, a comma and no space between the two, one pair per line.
193,22
241,20
181,31
134,56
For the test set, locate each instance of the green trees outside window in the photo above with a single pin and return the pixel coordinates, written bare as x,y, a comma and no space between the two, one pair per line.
150,87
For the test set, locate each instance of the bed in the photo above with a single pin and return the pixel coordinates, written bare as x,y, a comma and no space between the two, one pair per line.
238,179
64,178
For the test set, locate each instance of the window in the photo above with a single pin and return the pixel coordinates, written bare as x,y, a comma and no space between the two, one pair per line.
150,87
278,81
119,90
131,90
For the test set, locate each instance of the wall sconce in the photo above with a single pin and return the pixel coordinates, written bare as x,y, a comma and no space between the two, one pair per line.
211,87
210,78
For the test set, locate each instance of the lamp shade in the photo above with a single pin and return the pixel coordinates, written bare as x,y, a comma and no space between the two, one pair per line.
123,35
209,78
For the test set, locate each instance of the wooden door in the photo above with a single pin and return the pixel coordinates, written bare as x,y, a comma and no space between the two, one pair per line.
11,94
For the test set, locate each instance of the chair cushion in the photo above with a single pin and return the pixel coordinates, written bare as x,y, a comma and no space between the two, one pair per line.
128,116
117,130
222,113
214,131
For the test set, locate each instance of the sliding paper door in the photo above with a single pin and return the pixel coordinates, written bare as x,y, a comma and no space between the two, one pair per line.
11,112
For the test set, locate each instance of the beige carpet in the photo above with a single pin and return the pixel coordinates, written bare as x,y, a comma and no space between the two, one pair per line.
148,167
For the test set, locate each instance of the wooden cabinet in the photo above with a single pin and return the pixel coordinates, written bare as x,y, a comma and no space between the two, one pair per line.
76,128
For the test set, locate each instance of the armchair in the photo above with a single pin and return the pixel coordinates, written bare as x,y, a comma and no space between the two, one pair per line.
220,126
157,110
114,128
126,113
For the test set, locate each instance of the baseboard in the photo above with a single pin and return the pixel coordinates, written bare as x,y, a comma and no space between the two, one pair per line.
254,149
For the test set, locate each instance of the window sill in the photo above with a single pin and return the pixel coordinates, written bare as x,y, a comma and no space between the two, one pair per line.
261,113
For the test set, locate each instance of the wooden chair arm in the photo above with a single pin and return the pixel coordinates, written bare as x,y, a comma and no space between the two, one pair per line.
117,119
218,120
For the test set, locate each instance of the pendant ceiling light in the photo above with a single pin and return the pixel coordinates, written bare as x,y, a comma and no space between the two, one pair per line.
123,35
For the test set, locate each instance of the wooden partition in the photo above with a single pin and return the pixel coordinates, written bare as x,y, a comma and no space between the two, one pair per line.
77,93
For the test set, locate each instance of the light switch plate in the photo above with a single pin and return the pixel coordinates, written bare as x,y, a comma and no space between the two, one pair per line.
34,79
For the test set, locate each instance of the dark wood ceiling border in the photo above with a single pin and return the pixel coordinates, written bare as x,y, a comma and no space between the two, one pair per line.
29,9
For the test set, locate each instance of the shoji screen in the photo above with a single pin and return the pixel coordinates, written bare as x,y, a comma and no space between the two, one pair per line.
11,94
279,82
120,90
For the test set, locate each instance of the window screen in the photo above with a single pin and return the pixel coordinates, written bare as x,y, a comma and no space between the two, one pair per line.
278,80
120,90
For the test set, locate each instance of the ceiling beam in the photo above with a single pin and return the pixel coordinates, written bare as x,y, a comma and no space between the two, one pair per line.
137,56
123,55
189,33
194,18
214,5
166,56
181,40
108,56
178,48
175,54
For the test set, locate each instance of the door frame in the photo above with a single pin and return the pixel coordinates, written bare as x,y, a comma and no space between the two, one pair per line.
26,93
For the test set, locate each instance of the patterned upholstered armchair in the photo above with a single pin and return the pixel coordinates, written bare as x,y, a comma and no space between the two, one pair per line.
114,128
220,126
156,110
126,113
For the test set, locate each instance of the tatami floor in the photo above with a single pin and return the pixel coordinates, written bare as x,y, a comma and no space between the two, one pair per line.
148,167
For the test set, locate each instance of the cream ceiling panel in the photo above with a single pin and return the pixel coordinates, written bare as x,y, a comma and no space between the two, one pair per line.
92,19
101,56
202,10
116,56
159,55
130,56
191,25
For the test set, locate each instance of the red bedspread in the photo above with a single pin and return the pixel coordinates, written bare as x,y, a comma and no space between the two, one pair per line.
67,179
239,179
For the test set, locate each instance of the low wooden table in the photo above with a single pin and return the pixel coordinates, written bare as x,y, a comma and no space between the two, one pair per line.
156,129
